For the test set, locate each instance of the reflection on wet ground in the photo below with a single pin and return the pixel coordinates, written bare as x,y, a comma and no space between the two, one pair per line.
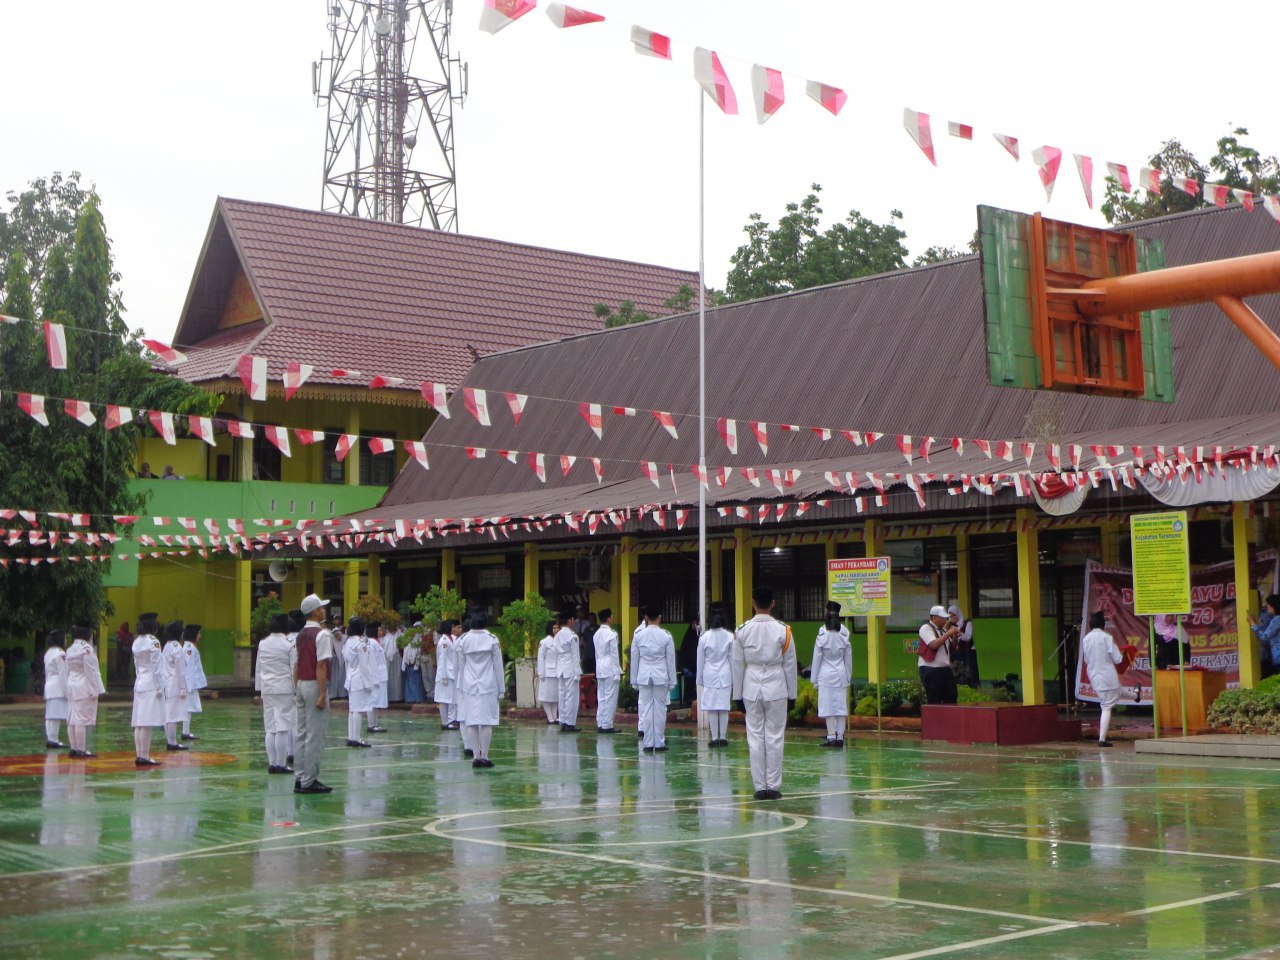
577,845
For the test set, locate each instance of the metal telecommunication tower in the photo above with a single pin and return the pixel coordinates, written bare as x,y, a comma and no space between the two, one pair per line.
377,108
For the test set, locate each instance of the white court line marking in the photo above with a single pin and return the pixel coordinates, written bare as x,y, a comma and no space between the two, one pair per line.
1196,901
432,828
986,941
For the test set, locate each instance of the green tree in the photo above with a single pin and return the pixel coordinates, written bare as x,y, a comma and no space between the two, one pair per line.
681,301
372,610
523,623
439,604
796,254
41,218
936,254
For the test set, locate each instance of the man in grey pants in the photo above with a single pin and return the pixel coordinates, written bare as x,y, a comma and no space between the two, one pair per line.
313,654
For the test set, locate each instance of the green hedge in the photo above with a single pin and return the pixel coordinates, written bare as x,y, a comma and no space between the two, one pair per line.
1255,710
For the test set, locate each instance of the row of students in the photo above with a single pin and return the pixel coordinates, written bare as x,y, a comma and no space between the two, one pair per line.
167,687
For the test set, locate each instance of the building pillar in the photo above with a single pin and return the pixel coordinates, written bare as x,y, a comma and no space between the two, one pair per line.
531,586
350,587
352,461
246,451
1246,597
448,568
742,584
715,551
375,575
241,652
627,614
1111,531
964,574
1029,632
877,659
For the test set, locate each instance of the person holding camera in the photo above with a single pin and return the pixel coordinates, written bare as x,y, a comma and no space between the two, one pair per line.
934,656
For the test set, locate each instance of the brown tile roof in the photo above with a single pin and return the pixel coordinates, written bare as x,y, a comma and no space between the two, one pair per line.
388,299
897,353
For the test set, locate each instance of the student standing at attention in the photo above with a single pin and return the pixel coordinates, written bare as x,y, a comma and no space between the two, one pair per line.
608,672
55,690
653,674
764,679
549,675
715,678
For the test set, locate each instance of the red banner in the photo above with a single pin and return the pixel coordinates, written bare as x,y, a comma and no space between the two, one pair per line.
1210,628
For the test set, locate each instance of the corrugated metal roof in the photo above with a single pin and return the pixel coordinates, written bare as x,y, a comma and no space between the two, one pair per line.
896,353
338,291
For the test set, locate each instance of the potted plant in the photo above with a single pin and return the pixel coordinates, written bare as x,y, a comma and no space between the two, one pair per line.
522,623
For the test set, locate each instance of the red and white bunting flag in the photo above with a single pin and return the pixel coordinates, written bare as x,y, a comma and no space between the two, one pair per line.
702,474
779,478
437,397
418,450
308,437
925,448
709,73
649,43
1244,197
238,428
768,91
822,433
802,508
201,427
1028,451
913,482
1084,166
624,411
253,374
1217,194
598,467
1054,452
729,433
1187,185
380,381
668,422
163,424
917,127
1009,143
1149,180
650,470
904,446
871,437
476,453
511,455
564,17
761,431
1120,173
722,476
790,427
853,436
1272,206
592,415
279,437
751,475
516,402
681,517
55,343
660,518
832,98
32,404
500,14
957,444
984,446
477,404
343,445
165,352
566,464
962,131
538,464
1073,452
1047,159
79,411
295,375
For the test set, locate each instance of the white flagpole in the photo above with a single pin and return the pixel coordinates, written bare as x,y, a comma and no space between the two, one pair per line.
702,361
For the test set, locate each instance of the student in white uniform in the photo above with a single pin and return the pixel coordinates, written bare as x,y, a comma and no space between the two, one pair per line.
361,654
608,672
549,675
569,667
395,668
644,622
148,689
273,678
196,680
174,672
84,686
653,674
338,666
1101,655
764,678
55,689
378,699
480,685
715,678
446,673
832,673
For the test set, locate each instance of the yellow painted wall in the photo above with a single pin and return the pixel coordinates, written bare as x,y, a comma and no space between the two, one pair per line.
188,457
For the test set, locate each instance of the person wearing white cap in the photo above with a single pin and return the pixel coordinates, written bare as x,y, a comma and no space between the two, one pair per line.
934,656
314,651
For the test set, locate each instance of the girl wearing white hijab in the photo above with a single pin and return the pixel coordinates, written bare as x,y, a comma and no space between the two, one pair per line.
831,673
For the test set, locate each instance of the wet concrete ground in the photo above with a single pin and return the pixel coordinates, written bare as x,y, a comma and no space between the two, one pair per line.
579,845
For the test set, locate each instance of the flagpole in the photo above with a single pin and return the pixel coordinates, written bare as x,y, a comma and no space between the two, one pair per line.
702,363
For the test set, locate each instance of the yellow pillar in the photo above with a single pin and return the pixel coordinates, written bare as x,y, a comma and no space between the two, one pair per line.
627,615
531,570
1111,531
877,659
448,568
1246,597
1029,609
244,600
350,587
742,584
716,552
352,462
964,574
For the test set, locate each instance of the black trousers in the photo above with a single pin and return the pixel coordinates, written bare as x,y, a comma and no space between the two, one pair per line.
1167,654
939,684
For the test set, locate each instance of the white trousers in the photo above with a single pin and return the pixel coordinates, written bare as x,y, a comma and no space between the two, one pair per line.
569,696
766,725
606,701
653,713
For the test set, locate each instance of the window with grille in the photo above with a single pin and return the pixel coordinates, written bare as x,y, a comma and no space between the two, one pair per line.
798,576
993,573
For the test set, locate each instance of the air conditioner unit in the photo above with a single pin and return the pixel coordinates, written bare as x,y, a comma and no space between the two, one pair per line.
591,572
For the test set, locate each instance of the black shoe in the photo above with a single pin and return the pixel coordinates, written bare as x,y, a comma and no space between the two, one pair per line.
640,734
648,749
175,746
605,730
661,749
75,754
87,755
1105,743
358,743
722,742
315,786
568,728
762,794
189,736
477,764
468,753
54,744
553,723
145,762
827,743
838,743
487,763
452,725
775,794
376,730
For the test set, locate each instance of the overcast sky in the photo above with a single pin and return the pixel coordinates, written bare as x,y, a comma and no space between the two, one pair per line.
570,140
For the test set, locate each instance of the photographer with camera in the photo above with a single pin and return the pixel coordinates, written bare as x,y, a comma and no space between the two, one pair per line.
934,656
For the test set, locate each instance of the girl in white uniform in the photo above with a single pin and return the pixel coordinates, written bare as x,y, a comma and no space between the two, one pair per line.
273,678
549,675
174,672
84,686
362,653
831,673
148,689
378,698
480,684
196,680
446,674
55,690
715,678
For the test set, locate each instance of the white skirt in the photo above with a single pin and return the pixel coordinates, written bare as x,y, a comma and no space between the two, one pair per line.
358,701
380,696
549,689
833,701
55,708
279,713
175,709
148,709
193,702
714,698
478,710
83,713
444,691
